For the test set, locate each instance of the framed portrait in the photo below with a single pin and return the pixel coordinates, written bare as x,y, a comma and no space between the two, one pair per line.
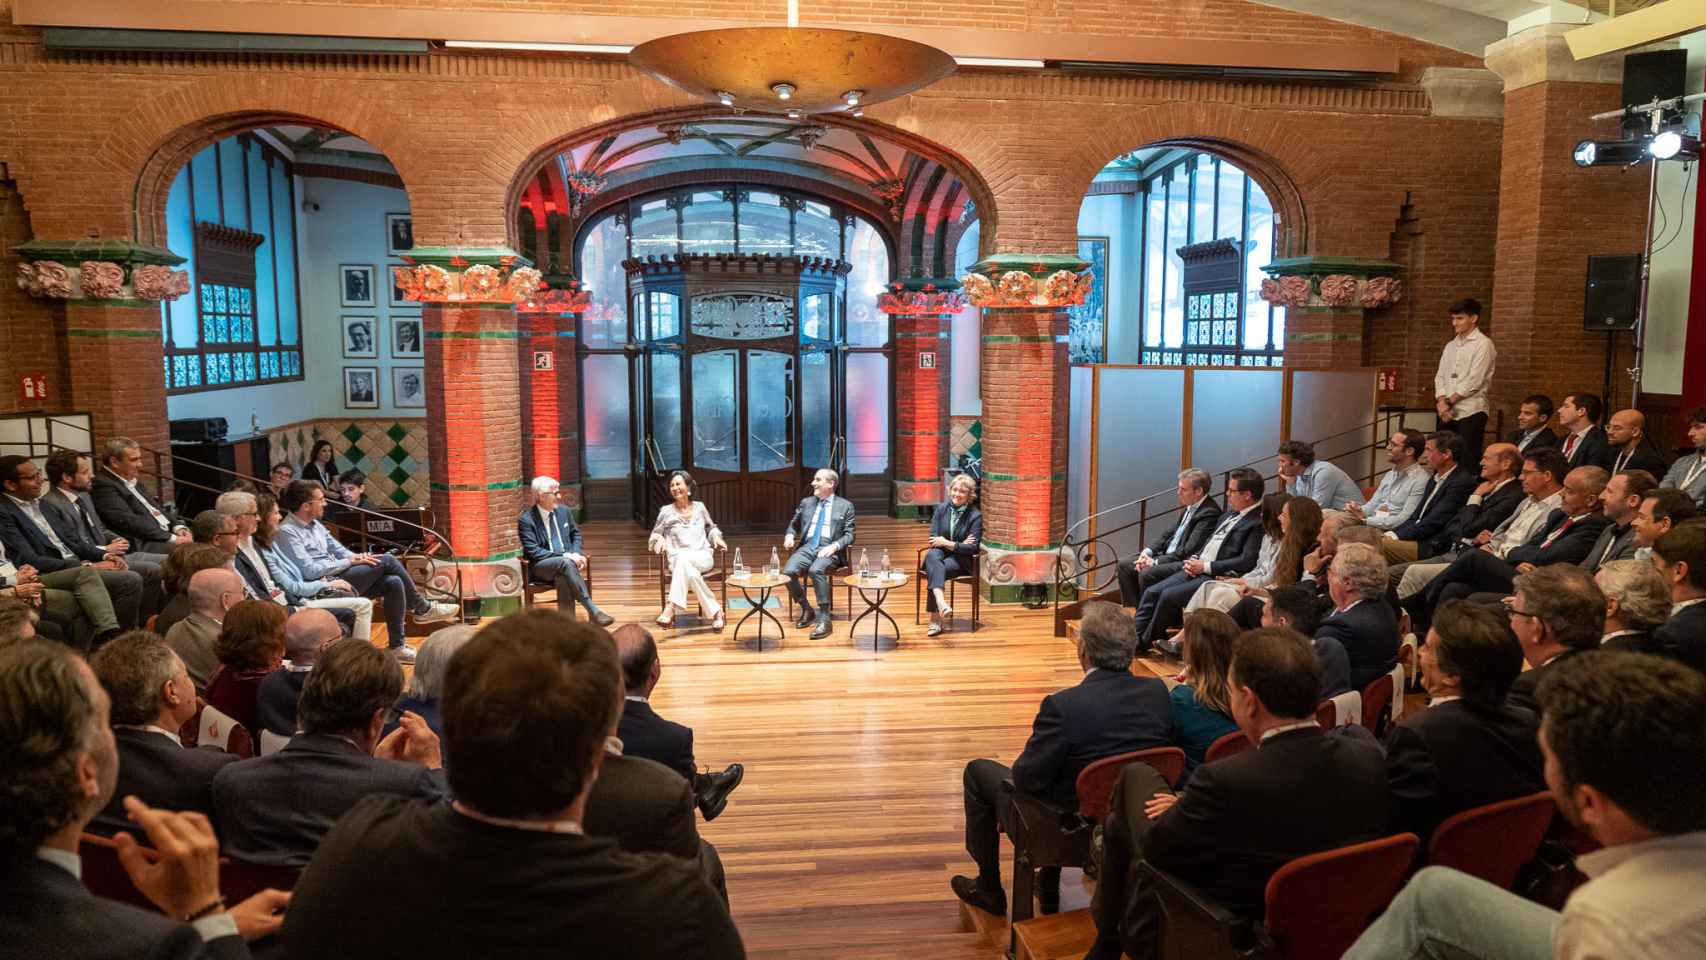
397,300
360,336
361,387
406,338
356,285
399,233
408,386
1087,328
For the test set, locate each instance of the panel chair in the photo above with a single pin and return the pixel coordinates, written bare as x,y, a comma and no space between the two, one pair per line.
1494,841
972,576
1230,745
105,876
530,589
1377,704
718,575
238,881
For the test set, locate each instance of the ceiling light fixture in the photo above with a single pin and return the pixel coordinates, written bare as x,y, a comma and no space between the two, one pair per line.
783,91
613,48
1000,62
852,97
725,98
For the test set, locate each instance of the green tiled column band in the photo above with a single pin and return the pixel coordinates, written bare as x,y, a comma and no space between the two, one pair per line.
477,487
494,558
1051,477
1007,338
474,335
1037,548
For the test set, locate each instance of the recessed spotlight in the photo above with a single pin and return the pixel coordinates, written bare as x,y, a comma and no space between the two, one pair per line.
858,113
796,114
725,98
783,90
852,97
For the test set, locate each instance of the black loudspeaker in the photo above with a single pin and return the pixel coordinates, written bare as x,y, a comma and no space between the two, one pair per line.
1614,293
1661,75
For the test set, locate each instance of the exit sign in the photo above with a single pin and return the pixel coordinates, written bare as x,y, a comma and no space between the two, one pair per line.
927,360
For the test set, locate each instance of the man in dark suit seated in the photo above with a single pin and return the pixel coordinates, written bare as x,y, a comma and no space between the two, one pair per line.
1629,447
1109,712
1661,512
39,539
274,810
1532,432
1637,602
1231,550
1468,748
152,698
307,634
527,706
1619,502
1556,613
1443,496
1362,621
70,475
645,734
1295,608
1300,791
551,542
1680,557
59,760
127,509
1198,515
822,526
1584,443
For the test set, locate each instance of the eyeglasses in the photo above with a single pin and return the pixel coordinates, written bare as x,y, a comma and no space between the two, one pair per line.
1510,608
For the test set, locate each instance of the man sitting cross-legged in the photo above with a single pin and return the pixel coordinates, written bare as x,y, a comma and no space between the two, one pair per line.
551,542
1198,515
1232,549
1110,711
822,526
645,734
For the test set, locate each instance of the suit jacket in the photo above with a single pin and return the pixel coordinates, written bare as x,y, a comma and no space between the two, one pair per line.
540,895
1334,663
120,512
1428,523
1613,543
47,912
166,775
1638,642
1202,525
253,582
967,534
1522,689
1369,633
645,734
193,638
644,806
1242,818
1545,438
838,532
1645,458
1593,450
274,810
536,539
1242,548
1571,546
1493,510
1684,636
26,543
1108,712
275,704
1456,756
89,535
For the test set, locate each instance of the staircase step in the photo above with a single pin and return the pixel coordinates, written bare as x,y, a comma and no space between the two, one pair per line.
1061,936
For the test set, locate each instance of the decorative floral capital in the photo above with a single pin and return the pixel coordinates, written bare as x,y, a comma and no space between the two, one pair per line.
1338,290
1333,290
478,282
930,300
1294,291
102,280
1382,292
1022,288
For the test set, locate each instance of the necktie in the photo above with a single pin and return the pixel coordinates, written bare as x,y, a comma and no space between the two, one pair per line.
1558,532
1570,445
1179,534
88,522
1433,488
556,536
820,519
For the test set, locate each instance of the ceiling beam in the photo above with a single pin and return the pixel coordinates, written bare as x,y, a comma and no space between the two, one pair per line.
1661,21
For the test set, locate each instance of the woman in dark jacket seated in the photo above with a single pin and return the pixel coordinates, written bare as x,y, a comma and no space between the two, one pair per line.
250,646
955,531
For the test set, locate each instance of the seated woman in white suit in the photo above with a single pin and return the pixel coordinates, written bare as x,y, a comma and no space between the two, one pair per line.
686,535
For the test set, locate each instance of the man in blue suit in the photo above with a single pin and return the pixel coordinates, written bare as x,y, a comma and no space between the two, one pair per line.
822,529
551,542
34,537
1231,551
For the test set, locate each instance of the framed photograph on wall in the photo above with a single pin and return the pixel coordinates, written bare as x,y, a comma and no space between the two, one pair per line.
361,388
361,337
397,300
356,285
408,386
406,338
399,233
1087,326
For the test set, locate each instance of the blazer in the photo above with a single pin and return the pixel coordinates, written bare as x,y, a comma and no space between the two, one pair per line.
1571,546
1369,633
193,638
536,539
65,518
1678,472
1493,510
325,477
1241,549
252,579
166,775
26,543
274,810
645,734
840,527
45,911
967,536
275,703
1593,450
1644,458
1613,543
1638,642
1428,523
120,512
538,895
1522,689
1684,636
1334,663
1202,525
1457,756
1545,438
644,806
1243,817
1108,712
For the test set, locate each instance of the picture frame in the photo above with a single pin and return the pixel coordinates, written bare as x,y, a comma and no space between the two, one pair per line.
399,233
396,300
407,338
360,336
357,285
1087,326
408,387
361,388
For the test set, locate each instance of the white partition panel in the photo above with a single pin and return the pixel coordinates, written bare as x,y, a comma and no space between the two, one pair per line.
1078,445
1235,418
1335,410
1140,416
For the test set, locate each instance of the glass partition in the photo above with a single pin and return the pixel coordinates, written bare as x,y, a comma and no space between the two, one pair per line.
869,256
769,410
666,407
817,423
816,231
655,232
867,413
708,223
716,432
606,416
765,224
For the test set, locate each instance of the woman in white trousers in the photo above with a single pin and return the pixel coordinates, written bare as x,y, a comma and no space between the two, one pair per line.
686,535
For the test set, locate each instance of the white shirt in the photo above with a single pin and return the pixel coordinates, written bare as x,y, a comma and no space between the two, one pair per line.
1397,498
1466,368
1615,634
32,509
1211,549
548,520
130,485
1528,438
1642,903
246,547
1179,531
1528,518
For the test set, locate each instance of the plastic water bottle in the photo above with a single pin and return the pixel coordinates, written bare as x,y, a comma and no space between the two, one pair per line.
885,563
740,568
775,564
864,564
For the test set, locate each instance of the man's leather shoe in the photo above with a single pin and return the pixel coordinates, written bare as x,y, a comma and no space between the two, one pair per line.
989,901
824,627
602,619
713,789
807,617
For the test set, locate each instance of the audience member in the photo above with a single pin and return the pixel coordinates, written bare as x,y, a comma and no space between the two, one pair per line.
127,509
185,561
1464,375
1400,491
1469,748
1488,508
213,592
645,734
1637,602
74,599
1445,493
215,529
304,540
281,476
258,583
1585,443
822,527
70,475
551,544
1619,502
1319,480
320,466
1556,613
1362,621
354,614
1688,473
18,620
1680,557
956,535
1531,431
426,684
528,704
152,698
1661,511
352,490
274,810
1295,608
1198,516
250,647
1292,527
1629,448
307,634
59,762
1624,739
687,539
1231,550
1201,713
32,539
1110,711
1240,819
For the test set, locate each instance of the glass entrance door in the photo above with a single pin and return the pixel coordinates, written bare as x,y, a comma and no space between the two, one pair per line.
741,434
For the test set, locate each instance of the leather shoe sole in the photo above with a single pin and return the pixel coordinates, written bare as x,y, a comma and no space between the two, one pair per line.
989,901
717,797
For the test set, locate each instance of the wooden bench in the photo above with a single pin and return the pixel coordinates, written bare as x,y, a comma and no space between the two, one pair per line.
1060,936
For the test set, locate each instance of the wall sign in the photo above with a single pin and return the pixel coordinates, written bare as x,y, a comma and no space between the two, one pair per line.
927,360
542,360
32,388
1386,381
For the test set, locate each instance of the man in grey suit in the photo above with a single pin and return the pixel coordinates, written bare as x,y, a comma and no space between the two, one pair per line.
70,475
1688,474
822,529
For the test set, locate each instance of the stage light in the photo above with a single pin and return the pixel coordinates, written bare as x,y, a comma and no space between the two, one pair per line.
725,98
1617,153
852,97
1586,151
1665,145
782,90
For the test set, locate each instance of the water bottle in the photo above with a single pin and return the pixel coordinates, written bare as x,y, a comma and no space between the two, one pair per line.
775,564
864,564
740,568
885,563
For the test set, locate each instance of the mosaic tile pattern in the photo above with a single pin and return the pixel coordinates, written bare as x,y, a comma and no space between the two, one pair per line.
965,436
392,452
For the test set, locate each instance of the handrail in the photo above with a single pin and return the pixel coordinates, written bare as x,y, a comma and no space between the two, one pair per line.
837,454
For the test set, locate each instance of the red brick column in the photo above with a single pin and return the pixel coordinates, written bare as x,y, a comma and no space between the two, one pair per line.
921,355
550,399
115,351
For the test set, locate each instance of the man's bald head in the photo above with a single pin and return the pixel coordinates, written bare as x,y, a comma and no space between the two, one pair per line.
307,632
1500,460
209,589
639,653
1625,427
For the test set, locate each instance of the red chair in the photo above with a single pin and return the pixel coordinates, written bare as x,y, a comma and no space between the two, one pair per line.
1377,704
239,881
1325,713
1096,782
1230,745
1494,841
105,876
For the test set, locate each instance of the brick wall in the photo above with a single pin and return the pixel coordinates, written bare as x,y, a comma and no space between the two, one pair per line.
473,396
34,330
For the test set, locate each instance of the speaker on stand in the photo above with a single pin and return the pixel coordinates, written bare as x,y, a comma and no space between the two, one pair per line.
1612,303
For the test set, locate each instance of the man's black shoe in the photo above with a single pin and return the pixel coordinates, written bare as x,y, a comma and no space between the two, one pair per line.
989,901
602,619
824,627
807,617
713,789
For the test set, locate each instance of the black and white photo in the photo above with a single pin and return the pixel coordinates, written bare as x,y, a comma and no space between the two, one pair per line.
408,386
356,284
399,233
398,299
406,337
361,337
361,387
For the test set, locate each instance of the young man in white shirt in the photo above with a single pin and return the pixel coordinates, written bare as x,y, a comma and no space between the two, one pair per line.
1464,375
1400,491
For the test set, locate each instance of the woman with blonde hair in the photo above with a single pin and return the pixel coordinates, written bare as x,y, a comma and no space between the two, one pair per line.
955,531
687,537
1202,705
